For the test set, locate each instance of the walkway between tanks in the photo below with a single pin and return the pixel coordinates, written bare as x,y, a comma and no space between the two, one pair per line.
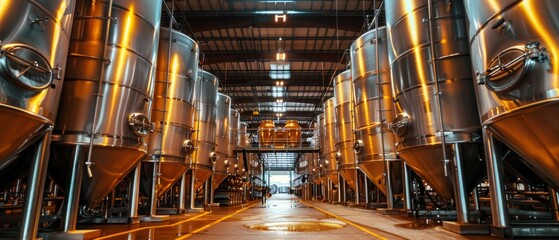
276,216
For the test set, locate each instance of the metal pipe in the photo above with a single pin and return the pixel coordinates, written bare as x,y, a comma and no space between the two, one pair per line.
35,186
407,188
437,87
192,190
357,185
366,188
460,193
340,181
71,200
135,194
499,211
153,197
182,192
99,94
207,190
554,203
211,189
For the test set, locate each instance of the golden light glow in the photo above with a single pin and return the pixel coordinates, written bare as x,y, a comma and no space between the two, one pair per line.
549,42
57,30
414,36
4,6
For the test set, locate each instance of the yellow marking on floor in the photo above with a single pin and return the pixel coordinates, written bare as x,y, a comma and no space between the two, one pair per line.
154,227
214,223
347,221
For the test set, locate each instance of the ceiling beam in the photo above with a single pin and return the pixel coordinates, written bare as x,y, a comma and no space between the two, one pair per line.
245,100
211,57
200,21
309,114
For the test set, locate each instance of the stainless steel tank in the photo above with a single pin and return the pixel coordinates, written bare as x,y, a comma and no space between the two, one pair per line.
205,102
170,143
108,91
374,109
343,92
329,163
236,163
34,40
514,56
436,107
223,119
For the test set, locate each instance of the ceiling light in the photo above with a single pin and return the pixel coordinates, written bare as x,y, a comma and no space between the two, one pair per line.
283,17
280,56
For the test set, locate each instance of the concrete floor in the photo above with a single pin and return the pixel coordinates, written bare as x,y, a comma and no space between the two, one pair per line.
231,223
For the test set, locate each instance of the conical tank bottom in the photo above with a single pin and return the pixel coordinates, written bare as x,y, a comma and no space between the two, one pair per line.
532,132
14,139
349,176
218,179
202,175
374,170
171,172
333,177
111,165
427,162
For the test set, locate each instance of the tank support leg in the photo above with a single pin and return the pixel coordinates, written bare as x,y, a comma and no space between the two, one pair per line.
407,189
460,193
389,194
357,186
35,186
499,211
135,194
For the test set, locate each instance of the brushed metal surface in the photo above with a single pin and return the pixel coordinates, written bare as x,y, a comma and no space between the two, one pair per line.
205,102
32,31
236,163
223,119
126,88
328,150
343,92
519,104
173,109
374,108
415,87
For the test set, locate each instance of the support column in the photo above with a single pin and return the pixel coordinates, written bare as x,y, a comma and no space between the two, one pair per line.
192,190
182,193
357,186
389,193
366,188
554,203
71,203
460,193
135,195
499,211
408,206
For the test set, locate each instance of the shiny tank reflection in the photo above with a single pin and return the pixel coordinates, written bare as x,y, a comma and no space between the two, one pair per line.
374,108
34,40
173,111
328,135
433,90
205,102
343,92
222,139
514,55
108,91
236,164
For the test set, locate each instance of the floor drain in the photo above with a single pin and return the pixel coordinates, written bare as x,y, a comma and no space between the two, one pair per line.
295,226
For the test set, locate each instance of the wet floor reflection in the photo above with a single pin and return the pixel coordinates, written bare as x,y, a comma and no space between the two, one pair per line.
295,226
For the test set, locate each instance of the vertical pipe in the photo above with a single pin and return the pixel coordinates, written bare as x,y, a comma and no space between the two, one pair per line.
477,207
357,186
460,193
153,197
499,211
182,192
407,189
35,185
389,194
135,193
328,190
554,203
192,190
366,188
71,204
340,183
